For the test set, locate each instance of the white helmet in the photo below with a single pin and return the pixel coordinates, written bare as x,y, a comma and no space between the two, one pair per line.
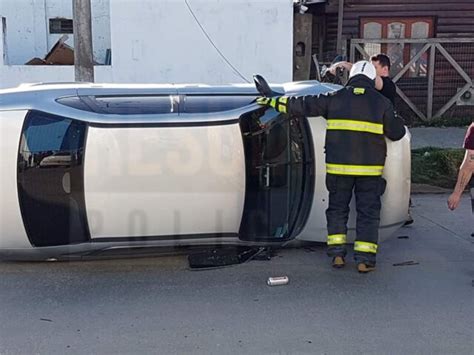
363,67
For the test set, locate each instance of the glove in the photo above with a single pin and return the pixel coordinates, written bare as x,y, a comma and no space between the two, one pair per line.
265,101
279,103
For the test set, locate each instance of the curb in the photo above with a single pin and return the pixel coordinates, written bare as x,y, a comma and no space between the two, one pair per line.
428,189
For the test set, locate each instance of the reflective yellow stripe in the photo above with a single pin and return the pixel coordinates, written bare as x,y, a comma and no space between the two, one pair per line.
365,247
351,125
363,170
273,102
282,104
334,239
359,91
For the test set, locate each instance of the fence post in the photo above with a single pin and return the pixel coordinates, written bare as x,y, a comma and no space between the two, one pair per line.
429,109
352,52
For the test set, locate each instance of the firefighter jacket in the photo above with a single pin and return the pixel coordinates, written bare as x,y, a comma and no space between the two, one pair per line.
358,120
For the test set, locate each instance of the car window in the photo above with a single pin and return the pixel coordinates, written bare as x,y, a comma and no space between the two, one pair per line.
133,105
214,103
43,132
121,105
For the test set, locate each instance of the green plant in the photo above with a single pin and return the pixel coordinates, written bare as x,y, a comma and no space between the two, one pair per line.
436,166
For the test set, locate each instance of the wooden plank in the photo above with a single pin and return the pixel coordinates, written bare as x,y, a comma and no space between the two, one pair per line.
405,8
352,53
340,16
318,70
454,63
413,60
410,104
452,101
429,109
413,40
362,51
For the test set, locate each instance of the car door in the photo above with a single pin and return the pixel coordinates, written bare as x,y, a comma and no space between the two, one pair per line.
280,175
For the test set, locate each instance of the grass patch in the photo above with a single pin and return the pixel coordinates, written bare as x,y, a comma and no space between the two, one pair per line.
444,122
436,166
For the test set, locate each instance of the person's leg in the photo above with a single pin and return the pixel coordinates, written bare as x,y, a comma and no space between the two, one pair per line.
340,194
368,191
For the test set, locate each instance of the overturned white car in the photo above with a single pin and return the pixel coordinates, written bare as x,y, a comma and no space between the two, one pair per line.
89,168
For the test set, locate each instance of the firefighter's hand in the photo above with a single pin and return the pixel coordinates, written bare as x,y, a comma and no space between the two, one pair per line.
279,103
264,101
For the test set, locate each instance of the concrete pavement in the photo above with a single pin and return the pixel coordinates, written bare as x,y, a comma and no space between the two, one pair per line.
157,305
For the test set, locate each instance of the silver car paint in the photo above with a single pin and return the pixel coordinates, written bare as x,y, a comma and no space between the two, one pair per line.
15,102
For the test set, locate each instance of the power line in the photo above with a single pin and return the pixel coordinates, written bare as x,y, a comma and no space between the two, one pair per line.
210,41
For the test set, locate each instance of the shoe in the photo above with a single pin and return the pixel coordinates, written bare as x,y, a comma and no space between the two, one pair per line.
338,262
363,268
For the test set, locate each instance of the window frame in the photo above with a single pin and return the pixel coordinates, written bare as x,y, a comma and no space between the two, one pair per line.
408,21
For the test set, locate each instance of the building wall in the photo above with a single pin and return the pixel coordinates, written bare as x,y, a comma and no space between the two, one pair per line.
27,27
452,18
160,42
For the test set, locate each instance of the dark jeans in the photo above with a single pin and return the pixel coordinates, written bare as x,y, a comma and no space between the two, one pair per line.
368,190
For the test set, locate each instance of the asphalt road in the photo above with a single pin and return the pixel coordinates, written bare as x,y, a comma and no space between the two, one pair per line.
158,305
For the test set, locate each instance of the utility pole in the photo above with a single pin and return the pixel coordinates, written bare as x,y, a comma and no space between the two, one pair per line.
82,28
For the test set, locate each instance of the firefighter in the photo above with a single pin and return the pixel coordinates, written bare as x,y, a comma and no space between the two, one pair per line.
358,118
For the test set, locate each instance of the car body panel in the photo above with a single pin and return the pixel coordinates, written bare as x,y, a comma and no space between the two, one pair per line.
164,181
12,230
184,173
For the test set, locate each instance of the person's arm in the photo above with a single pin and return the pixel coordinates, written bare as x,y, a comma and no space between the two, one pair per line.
465,173
345,65
393,126
309,105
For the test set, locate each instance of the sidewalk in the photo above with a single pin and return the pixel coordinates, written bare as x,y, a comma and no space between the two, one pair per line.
450,137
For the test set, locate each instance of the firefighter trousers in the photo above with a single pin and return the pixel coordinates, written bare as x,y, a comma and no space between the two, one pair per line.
367,190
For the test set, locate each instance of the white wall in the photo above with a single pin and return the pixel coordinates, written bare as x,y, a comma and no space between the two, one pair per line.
158,41
28,27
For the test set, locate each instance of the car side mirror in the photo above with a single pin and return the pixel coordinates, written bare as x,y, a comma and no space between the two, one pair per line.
263,88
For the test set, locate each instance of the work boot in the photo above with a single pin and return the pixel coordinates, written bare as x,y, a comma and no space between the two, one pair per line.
338,262
363,268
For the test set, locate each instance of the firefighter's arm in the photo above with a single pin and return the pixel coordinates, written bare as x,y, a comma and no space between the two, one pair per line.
465,173
393,126
310,105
